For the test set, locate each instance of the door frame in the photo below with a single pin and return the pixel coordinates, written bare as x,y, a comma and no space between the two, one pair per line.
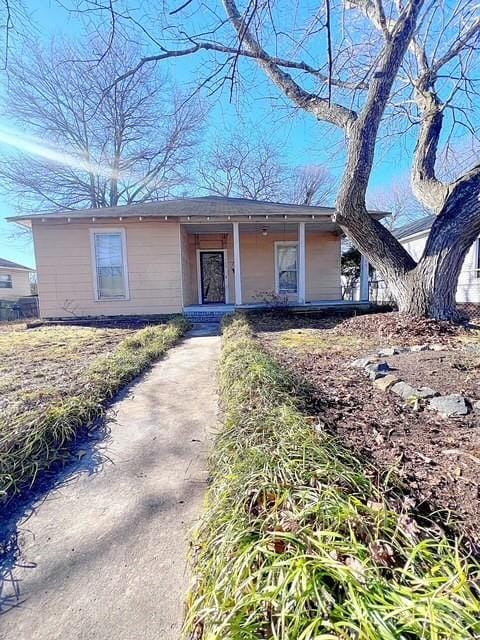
199,274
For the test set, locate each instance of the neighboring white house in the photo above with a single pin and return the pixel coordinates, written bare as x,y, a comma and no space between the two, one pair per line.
14,280
414,236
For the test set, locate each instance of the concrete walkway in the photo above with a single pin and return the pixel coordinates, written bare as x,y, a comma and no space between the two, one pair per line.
104,555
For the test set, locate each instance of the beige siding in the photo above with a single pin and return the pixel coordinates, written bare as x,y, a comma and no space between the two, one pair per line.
323,257
66,277
257,255
188,285
20,284
322,265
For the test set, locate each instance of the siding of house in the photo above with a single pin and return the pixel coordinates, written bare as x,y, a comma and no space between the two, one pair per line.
20,284
468,289
162,266
323,253
323,266
66,274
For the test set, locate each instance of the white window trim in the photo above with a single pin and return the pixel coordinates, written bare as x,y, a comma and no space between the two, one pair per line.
285,243
225,274
7,275
121,231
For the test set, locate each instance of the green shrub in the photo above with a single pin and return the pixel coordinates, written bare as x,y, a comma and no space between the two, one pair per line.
298,542
35,440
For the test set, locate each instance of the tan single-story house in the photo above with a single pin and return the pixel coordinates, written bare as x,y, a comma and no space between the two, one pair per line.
14,280
189,255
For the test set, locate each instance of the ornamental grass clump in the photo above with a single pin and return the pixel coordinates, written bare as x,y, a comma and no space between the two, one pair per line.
34,440
298,542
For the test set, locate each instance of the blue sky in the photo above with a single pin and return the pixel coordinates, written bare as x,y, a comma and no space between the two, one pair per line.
302,139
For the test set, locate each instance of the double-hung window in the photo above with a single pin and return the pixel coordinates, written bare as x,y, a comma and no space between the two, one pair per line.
110,264
286,267
6,281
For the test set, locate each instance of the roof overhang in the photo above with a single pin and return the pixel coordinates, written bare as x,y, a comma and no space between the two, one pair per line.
187,209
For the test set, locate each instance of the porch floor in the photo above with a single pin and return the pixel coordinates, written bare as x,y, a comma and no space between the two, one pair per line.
222,309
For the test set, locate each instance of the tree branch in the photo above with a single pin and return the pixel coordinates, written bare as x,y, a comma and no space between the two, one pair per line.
213,46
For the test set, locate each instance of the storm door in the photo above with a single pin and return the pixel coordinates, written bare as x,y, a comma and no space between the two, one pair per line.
212,277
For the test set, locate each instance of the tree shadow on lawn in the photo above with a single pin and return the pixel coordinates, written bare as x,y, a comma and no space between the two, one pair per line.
88,456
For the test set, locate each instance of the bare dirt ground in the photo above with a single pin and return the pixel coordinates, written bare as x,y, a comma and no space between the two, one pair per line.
436,460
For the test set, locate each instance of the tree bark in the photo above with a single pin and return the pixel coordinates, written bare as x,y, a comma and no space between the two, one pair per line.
429,289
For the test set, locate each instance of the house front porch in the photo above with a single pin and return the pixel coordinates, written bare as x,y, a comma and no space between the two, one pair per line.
215,312
261,265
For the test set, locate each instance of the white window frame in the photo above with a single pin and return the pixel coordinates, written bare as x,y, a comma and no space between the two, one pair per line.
7,275
285,243
225,274
100,231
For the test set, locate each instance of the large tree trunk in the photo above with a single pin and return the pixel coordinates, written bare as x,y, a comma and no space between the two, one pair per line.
430,288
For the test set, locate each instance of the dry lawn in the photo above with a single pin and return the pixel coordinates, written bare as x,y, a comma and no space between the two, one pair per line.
40,366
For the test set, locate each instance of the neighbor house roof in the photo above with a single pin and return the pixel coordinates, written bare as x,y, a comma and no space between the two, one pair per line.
207,206
8,264
413,228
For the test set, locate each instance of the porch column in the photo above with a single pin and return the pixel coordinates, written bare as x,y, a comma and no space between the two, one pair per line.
301,262
236,264
364,293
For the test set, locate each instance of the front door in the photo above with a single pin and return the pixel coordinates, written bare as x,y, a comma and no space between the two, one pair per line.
212,276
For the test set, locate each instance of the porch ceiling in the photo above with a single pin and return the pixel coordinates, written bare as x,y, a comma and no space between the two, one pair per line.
257,227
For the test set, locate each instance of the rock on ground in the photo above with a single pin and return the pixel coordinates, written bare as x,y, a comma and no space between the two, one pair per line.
451,406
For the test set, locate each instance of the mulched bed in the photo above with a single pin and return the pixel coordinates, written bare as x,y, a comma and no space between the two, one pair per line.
437,460
453,371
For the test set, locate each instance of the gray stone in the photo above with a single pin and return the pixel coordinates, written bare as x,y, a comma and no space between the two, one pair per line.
438,347
385,382
450,406
419,347
476,405
389,351
404,390
361,363
377,370
426,392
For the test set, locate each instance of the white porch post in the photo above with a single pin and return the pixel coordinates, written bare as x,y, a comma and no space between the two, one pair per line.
364,294
301,262
236,263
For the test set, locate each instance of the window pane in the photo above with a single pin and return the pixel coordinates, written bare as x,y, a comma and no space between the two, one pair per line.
287,281
287,258
287,268
5,281
109,264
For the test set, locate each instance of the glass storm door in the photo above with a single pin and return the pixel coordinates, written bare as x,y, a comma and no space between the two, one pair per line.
212,274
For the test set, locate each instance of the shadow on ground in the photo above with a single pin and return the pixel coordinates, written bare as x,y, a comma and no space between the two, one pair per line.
88,456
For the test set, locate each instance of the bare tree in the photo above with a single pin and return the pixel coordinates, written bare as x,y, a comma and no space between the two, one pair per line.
239,167
362,62
92,142
399,201
243,167
313,185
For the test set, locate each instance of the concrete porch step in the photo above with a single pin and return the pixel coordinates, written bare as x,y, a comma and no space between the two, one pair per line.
205,314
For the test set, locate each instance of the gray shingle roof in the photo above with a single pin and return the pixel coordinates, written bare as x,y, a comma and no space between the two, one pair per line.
412,228
7,264
203,206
